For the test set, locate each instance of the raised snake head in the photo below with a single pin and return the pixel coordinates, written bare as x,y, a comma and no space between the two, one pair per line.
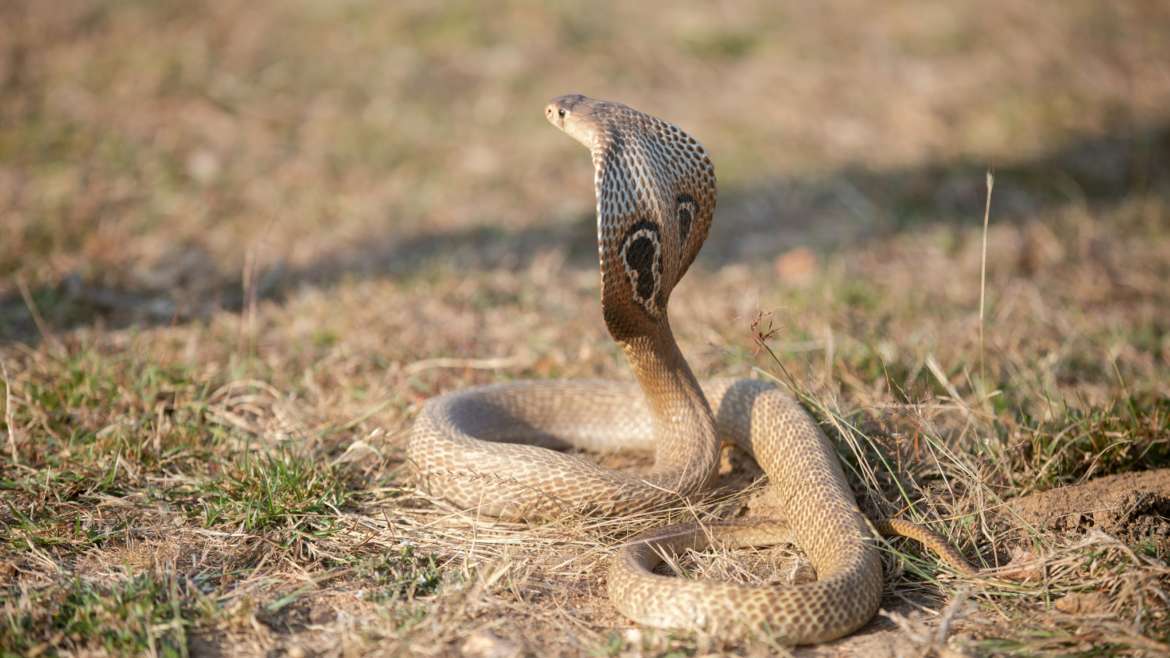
655,190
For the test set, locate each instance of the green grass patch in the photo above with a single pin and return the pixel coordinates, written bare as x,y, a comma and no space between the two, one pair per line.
142,615
1078,443
401,577
92,409
277,491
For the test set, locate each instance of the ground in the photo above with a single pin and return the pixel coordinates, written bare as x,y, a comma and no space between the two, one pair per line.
242,242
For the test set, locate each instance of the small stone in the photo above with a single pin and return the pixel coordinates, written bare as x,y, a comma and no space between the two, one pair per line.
203,166
1023,566
1081,603
485,644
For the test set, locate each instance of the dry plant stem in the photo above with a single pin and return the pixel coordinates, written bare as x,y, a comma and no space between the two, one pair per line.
9,421
499,363
247,339
42,326
983,266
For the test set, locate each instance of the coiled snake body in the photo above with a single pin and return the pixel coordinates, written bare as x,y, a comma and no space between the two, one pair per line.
492,448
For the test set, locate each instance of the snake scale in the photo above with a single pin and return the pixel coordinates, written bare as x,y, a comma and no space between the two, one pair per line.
498,449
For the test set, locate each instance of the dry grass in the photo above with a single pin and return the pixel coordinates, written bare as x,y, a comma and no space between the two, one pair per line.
241,242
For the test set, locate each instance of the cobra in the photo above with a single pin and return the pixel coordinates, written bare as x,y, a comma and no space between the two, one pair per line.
500,448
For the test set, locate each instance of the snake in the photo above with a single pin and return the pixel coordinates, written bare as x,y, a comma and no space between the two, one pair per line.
513,450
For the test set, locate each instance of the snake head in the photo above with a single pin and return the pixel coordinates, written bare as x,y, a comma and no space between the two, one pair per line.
655,190
573,114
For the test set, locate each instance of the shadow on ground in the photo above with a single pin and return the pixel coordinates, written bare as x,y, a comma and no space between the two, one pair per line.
753,224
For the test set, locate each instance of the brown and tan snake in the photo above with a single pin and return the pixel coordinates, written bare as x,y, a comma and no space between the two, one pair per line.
495,448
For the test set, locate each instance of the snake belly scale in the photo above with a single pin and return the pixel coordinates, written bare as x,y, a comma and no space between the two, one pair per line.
496,448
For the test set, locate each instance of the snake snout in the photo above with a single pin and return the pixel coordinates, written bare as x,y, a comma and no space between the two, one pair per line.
561,107
572,114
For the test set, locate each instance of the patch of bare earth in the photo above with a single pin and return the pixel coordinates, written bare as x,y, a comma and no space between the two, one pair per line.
1134,507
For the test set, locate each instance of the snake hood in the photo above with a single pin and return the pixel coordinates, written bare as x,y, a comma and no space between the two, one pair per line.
655,190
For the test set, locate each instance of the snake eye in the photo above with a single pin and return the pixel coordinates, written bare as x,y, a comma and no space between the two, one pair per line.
561,113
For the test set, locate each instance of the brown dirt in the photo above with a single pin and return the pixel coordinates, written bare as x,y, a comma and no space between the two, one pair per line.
1130,506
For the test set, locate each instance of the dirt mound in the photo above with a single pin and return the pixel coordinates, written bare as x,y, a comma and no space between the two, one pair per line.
1130,506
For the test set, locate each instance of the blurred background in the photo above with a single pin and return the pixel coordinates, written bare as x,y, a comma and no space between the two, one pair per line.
155,154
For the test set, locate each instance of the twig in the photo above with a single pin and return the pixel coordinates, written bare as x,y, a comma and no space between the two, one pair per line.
948,616
983,266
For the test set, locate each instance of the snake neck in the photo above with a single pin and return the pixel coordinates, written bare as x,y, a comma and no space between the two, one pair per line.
686,443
